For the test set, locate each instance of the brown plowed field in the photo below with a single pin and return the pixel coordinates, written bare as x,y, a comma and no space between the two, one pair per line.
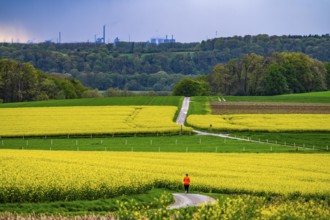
268,108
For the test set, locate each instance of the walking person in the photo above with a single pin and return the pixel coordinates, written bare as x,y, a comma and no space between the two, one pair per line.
186,183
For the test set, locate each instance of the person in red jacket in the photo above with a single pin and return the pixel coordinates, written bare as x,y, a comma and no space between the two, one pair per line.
186,183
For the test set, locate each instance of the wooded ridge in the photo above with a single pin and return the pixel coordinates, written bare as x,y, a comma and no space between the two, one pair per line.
145,66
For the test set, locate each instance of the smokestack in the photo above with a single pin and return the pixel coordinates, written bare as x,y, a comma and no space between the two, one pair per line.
59,37
103,33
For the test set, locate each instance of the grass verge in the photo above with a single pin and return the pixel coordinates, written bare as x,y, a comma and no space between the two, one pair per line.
308,139
82,207
112,101
312,97
148,205
175,143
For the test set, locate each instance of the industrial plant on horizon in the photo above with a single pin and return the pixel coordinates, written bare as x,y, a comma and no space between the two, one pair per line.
153,40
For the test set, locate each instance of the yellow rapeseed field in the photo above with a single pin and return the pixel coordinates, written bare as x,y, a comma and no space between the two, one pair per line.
263,122
87,120
62,175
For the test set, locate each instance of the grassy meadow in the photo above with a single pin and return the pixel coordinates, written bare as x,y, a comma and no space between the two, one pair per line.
161,143
312,97
111,101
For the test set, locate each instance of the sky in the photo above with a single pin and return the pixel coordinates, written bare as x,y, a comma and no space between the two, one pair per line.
138,20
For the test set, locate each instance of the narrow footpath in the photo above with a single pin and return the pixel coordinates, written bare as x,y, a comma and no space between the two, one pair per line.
182,118
188,200
184,111
181,199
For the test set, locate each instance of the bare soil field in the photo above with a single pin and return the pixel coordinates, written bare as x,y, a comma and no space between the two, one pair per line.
268,108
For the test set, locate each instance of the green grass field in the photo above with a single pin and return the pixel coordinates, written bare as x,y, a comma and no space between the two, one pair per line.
112,101
156,200
81,207
200,105
175,143
312,97
307,139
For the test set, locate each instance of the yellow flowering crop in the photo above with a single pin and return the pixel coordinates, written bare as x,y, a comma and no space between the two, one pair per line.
59,175
87,120
263,122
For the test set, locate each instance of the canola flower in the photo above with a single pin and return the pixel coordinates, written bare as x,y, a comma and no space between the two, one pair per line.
50,176
263,122
87,120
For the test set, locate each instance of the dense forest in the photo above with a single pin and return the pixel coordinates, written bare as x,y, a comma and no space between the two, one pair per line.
144,66
22,82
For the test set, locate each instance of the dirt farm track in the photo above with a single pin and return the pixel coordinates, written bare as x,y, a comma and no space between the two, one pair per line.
269,108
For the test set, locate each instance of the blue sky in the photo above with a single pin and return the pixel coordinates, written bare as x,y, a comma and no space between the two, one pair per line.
139,20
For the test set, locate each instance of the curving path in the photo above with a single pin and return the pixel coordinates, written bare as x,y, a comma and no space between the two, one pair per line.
189,200
182,118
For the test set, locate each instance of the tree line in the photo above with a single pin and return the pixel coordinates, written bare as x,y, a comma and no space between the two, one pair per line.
22,82
136,65
274,74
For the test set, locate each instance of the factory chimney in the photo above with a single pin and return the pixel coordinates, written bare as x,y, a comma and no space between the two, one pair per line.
59,37
103,33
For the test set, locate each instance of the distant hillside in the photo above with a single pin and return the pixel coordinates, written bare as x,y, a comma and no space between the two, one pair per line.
143,66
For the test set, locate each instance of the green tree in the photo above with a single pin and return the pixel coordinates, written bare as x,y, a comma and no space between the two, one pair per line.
91,93
275,82
191,87
327,66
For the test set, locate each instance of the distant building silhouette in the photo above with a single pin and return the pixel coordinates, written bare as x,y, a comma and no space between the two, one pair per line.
115,41
158,40
101,40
